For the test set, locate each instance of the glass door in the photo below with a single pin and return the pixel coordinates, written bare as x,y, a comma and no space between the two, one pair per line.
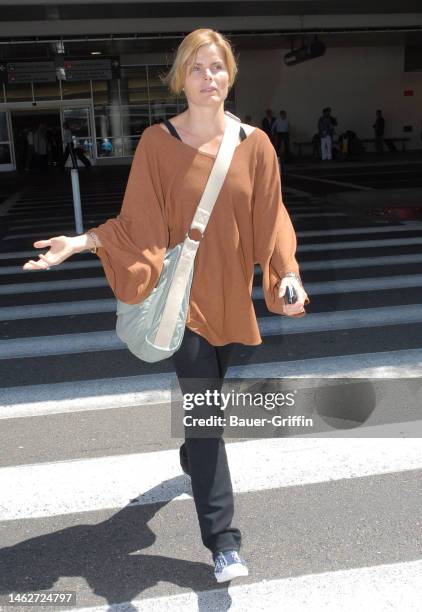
6,148
79,122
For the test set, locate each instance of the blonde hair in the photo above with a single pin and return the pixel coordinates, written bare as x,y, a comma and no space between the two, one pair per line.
188,49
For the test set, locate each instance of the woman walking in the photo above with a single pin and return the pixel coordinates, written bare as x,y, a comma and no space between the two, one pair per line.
249,224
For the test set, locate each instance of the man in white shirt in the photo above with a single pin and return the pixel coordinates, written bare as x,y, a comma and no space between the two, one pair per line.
41,146
281,134
30,149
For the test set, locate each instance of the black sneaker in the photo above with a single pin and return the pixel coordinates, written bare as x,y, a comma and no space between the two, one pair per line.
229,565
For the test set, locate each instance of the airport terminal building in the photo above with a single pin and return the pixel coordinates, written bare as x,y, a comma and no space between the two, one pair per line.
97,65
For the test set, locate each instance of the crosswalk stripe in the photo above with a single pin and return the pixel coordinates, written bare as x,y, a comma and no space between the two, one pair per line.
359,244
333,264
319,288
18,254
81,485
36,287
106,305
13,236
316,214
147,389
58,309
361,262
407,227
356,285
63,199
391,586
331,182
65,344
67,265
303,233
51,223
8,204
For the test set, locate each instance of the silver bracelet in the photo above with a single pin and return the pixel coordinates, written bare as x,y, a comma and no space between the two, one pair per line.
293,275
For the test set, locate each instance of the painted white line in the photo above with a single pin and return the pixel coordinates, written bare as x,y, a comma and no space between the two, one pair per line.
314,288
325,264
99,394
378,172
361,262
309,208
287,191
82,485
388,364
60,200
57,309
8,203
67,265
64,229
66,344
361,230
359,244
18,254
61,285
341,319
322,233
392,587
66,225
48,224
331,182
316,214
147,389
82,307
355,285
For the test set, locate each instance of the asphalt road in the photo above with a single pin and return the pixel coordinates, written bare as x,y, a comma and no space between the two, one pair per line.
93,499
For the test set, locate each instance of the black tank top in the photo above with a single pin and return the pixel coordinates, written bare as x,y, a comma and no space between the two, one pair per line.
173,131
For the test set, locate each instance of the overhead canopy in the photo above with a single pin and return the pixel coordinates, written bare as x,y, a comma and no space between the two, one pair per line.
49,18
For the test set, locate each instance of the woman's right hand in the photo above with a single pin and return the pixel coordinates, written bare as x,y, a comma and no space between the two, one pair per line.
61,247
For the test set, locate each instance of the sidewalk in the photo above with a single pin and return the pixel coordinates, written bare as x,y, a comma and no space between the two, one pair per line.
368,160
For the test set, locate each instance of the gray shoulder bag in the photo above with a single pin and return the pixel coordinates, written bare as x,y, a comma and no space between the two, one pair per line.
153,329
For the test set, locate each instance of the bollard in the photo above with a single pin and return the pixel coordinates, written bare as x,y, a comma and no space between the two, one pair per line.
76,193
77,201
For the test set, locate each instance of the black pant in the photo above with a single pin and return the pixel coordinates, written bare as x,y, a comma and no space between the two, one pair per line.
283,139
207,459
379,141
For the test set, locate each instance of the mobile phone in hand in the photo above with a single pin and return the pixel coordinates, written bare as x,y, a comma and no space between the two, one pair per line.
290,295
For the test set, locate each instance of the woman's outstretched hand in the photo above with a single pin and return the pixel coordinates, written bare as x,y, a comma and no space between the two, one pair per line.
298,308
61,247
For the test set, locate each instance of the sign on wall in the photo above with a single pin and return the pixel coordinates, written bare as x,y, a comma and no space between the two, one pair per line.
96,70
27,72
47,72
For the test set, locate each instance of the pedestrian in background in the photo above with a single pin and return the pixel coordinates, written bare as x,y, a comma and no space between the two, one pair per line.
326,131
30,155
267,124
379,128
281,136
41,147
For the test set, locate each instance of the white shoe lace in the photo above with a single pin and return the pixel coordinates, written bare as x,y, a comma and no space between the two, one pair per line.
221,561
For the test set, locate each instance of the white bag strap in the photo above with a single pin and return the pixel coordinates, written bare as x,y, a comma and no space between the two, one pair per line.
187,256
218,174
